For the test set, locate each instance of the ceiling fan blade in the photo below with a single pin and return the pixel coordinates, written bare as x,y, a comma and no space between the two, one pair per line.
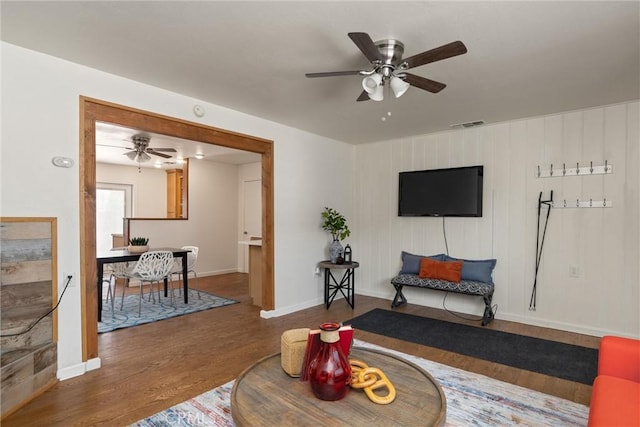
168,150
366,46
112,146
364,96
333,73
155,153
439,53
424,83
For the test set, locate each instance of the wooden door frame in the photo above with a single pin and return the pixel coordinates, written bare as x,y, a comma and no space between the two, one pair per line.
94,110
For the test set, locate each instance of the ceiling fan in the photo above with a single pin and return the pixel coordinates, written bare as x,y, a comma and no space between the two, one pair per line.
387,65
141,149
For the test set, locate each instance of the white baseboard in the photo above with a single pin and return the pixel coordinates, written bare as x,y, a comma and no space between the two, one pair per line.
215,272
268,314
563,326
79,369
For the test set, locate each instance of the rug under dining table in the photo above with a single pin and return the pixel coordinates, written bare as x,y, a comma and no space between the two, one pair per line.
153,312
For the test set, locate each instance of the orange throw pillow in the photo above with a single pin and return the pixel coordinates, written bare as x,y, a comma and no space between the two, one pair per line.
443,270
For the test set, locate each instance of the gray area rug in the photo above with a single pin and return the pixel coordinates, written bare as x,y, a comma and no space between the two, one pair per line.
567,361
128,316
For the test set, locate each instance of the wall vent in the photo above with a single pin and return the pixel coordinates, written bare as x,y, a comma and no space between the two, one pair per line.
467,124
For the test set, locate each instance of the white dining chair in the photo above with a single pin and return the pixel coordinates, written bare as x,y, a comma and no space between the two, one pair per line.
192,258
110,290
152,267
119,270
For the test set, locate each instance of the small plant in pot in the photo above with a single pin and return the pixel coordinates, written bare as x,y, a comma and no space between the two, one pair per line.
138,244
336,224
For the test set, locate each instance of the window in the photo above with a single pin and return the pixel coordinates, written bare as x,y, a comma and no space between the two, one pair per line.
113,203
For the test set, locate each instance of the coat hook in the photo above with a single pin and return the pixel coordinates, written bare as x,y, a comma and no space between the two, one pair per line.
606,167
538,171
565,203
577,203
551,170
564,170
590,203
577,168
591,167
604,202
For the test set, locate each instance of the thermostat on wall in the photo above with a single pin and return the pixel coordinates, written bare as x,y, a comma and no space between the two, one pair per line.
62,162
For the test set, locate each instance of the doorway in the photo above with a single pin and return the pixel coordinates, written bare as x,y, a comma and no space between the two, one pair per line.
113,202
252,208
93,111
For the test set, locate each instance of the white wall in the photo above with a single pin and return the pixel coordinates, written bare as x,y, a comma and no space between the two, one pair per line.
213,217
40,120
149,187
602,243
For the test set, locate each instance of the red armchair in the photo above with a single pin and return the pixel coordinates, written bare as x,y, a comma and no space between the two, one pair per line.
615,397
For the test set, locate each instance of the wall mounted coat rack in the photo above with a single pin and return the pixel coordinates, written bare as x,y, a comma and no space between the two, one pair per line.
605,203
590,169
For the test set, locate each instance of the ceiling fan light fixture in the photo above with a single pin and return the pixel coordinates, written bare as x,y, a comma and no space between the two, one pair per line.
398,86
378,94
143,157
371,83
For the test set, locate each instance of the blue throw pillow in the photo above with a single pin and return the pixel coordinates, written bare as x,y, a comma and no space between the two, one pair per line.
411,262
475,270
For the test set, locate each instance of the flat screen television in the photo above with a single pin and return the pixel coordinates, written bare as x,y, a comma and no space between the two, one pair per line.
441,192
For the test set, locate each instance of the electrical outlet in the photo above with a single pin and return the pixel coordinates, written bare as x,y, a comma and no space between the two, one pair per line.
65,277
574,271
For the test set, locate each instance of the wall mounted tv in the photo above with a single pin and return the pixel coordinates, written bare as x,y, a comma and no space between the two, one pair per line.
441,192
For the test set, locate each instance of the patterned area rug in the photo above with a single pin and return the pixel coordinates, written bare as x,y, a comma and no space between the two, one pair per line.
128,316
472,399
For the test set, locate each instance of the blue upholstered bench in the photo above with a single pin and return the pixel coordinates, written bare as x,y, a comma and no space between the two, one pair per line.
475,280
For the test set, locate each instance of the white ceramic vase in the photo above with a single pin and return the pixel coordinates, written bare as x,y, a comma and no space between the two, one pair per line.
138,249
335,250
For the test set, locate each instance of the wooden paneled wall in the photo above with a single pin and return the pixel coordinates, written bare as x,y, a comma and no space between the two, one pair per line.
601,243
28,291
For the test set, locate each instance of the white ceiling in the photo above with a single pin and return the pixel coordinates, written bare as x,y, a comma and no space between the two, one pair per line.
113,141
524,58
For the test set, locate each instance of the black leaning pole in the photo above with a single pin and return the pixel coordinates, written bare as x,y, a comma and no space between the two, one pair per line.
539,244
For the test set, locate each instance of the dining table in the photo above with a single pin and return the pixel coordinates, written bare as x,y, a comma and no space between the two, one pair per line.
123,255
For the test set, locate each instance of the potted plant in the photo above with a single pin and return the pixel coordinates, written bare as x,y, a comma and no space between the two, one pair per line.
336,224
138,244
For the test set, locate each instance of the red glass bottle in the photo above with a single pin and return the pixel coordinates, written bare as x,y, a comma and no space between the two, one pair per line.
329,370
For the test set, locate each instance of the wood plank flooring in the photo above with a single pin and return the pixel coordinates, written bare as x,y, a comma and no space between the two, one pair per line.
148,368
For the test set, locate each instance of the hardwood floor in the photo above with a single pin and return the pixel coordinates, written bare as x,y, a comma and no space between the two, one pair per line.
148,368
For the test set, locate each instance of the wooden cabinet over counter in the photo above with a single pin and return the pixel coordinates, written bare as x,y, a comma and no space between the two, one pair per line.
174,193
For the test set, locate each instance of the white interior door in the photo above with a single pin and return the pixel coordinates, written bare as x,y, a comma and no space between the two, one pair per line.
252,215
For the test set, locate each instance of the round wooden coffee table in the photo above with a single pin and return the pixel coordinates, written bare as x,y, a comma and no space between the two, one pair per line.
264,395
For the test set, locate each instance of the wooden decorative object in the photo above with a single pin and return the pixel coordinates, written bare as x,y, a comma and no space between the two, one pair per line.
264,395
28,290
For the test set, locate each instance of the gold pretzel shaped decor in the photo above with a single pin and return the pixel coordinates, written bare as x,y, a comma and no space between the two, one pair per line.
371,379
